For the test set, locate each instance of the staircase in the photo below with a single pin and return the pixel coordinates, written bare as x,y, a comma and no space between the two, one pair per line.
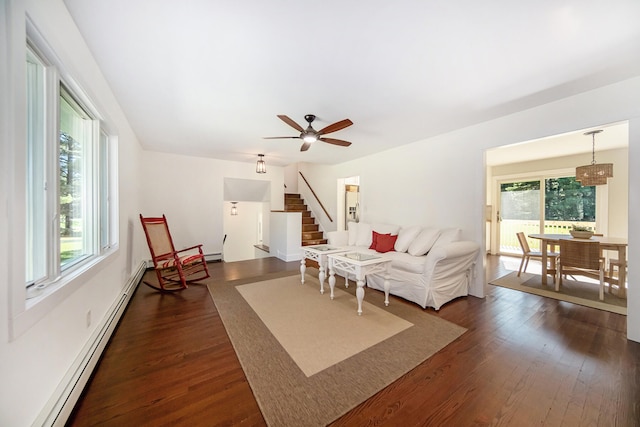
310,230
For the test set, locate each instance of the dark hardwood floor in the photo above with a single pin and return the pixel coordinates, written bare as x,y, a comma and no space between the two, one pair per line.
524,361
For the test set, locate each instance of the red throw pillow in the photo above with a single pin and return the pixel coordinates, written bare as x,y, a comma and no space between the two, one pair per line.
374,239
386,242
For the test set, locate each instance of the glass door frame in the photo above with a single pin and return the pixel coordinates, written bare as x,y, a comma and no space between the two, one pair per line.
602,197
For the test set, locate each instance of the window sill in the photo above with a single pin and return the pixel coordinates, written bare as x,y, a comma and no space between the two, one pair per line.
49,297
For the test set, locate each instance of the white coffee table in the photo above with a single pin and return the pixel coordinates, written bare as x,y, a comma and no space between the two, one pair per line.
360,265
318,253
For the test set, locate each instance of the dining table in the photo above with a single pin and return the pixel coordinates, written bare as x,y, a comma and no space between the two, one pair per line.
617,244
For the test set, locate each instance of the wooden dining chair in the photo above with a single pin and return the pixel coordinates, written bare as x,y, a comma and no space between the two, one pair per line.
580,258
527,254
173,268
615,265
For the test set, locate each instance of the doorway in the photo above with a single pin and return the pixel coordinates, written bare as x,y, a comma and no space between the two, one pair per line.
246,210
557,157
348,201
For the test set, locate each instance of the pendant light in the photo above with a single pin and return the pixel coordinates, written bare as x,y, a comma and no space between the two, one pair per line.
595,173
261,167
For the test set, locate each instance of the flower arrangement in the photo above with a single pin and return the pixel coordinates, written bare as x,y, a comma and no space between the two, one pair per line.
580,228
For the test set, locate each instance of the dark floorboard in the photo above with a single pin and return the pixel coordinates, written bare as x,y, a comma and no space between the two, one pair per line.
524,361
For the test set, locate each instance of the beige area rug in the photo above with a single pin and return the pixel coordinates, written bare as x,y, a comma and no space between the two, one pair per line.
314,386
573,291
292,313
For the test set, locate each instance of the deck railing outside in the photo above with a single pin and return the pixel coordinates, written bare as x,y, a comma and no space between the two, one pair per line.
509,228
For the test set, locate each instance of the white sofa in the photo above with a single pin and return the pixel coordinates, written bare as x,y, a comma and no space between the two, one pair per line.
429,266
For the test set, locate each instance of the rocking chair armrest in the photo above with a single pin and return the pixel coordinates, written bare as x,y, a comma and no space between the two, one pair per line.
199,247
175,255
168,255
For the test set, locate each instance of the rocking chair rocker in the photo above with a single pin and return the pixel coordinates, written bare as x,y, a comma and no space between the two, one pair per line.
174,268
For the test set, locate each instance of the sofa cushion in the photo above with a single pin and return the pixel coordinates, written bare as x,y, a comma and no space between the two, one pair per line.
424,241
402,261
406,235
353,232
448,235
385,242
385,228
363,236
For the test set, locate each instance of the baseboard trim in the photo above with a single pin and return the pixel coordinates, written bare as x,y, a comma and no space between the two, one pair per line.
63,400
213,257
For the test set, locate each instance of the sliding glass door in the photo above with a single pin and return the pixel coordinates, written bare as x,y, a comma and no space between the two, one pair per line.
542,205
519,211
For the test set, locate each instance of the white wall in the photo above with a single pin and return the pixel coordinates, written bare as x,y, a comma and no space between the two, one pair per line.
291,178
189,191
633,256
441,181
286,228
34,362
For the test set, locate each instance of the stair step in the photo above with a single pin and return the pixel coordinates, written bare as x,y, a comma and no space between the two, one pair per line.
314,242
295,207
293,201
312,235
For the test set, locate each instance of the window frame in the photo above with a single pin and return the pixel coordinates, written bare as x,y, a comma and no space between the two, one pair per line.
25,309
90,162
602,197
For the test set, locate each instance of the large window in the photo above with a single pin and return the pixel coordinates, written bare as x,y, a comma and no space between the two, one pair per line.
68,178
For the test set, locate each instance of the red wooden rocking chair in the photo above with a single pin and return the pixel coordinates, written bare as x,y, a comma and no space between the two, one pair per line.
174,268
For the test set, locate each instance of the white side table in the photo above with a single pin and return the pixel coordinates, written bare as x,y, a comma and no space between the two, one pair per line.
318,253
360,265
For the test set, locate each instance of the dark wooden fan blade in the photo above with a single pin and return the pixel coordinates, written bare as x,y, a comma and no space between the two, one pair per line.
290,122
305,146
280,137
336,126
336,142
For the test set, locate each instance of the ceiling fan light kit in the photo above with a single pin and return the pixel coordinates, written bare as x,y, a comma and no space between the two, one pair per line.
310,135
595,173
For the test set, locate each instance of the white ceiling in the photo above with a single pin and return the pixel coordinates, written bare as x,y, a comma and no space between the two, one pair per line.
208,77
613,136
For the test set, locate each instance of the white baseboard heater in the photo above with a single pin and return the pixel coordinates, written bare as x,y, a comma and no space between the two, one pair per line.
213,257
63,400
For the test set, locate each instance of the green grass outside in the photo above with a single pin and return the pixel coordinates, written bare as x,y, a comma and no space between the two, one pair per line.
70,248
